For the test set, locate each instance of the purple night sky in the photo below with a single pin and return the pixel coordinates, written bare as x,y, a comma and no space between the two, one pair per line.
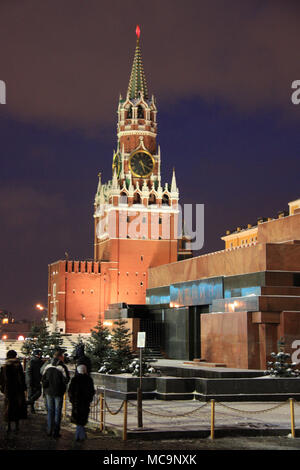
221,72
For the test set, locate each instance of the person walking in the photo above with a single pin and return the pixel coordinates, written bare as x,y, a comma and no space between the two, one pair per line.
12,385
33,378
81,392
81,358
46,362
54,380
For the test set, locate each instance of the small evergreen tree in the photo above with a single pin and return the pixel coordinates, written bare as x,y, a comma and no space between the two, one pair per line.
98,346
41,338
55,341
28,346
121,354
281,366
147,367
38,339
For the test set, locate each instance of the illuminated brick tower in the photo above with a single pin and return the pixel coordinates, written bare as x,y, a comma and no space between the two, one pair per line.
135,217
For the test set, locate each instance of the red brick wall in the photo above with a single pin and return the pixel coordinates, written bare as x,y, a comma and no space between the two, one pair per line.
82,299
131,142
78,295
135,258
124,280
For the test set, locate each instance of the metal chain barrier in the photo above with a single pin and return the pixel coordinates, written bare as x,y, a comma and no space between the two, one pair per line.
114,412
252,411
104,406
170,415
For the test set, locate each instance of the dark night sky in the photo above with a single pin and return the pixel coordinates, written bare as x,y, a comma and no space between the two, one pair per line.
221,72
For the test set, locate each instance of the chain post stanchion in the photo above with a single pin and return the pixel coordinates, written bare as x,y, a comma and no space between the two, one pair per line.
104,414
65,405
212,419
139,407
292,409
125,421
101,412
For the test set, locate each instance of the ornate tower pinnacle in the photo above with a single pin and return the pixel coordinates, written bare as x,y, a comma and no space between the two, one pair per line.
137,82
173,184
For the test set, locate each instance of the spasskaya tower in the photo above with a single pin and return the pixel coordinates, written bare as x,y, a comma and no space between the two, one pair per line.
135,219
135,214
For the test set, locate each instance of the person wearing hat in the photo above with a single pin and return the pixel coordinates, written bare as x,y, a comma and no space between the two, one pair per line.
12,385
33,378
54,380
81,392
81,358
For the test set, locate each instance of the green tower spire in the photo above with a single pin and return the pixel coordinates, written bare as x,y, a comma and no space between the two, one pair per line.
137,82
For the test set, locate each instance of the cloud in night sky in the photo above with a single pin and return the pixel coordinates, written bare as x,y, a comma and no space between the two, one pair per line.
65,62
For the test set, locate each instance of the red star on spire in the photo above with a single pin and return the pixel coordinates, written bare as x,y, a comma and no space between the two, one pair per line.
138,31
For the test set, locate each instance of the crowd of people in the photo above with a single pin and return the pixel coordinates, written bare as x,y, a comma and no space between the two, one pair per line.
51,378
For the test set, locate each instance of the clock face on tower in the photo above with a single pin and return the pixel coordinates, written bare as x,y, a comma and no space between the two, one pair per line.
141,163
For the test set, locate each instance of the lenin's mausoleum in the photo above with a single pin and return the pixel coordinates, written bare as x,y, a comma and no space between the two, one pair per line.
230,307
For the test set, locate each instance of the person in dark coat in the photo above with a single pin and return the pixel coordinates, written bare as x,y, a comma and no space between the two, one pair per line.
33,378
55,379
81,392
82,359
12,385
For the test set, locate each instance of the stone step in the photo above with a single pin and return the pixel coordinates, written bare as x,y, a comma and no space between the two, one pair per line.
153,353
206,364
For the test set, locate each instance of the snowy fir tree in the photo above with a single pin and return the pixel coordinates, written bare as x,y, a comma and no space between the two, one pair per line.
122,354
41,338
147,368
281,366
55,342
98,347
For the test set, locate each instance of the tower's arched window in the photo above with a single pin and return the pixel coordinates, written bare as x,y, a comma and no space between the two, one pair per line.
165,200
137,198
140,112
129,113
152,199
123,197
